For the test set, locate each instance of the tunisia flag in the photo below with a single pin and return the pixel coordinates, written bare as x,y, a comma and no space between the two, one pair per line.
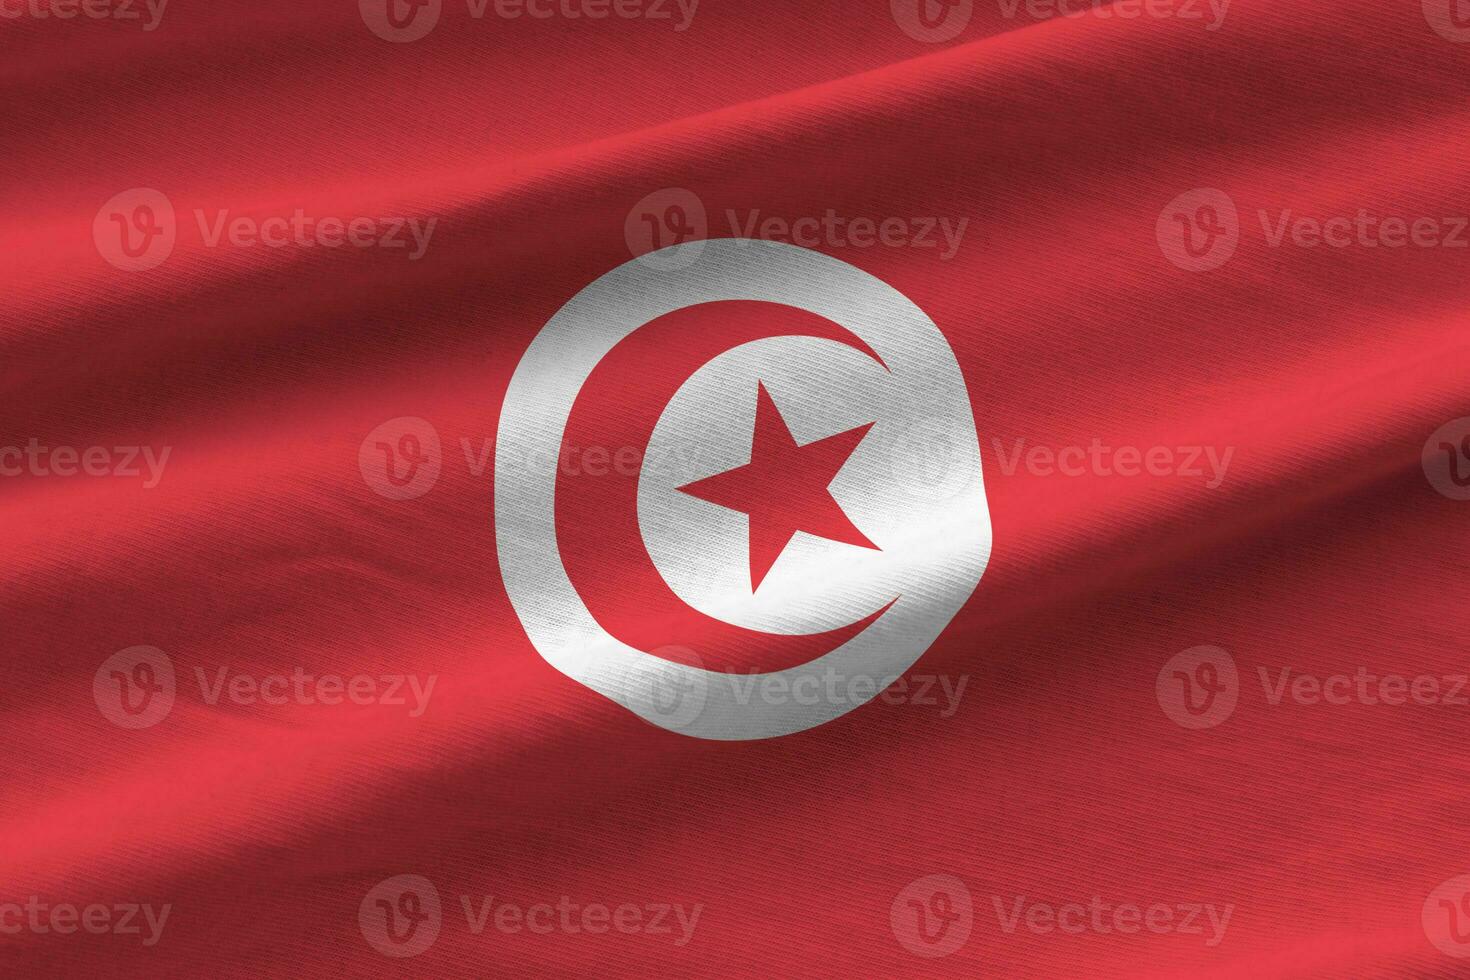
692,488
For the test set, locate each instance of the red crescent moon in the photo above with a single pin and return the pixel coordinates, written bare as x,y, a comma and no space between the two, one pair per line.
602,547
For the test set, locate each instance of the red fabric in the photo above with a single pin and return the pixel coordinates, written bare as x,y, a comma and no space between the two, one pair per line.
1059,775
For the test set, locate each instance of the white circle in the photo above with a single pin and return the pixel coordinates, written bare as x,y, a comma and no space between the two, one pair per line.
953,535
676,696
922,456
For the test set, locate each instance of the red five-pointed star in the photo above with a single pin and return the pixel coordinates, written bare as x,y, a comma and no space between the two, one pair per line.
784,488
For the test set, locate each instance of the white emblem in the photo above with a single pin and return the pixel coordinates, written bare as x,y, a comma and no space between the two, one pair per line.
931,534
